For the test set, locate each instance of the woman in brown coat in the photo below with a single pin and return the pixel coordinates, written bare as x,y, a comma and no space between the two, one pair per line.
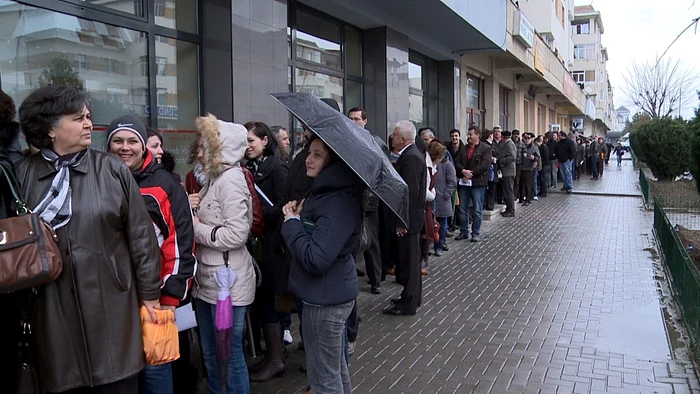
86,324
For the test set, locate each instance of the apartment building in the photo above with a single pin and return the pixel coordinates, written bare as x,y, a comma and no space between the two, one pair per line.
589,68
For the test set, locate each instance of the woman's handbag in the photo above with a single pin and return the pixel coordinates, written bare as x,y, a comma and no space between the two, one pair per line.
29,254
27,378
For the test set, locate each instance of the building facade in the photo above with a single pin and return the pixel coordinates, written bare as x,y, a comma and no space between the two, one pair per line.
170,60
590,68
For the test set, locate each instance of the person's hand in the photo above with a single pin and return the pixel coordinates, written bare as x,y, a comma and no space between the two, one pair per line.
194,200
290,210
468,174
151,306
493,159
401,231
532,157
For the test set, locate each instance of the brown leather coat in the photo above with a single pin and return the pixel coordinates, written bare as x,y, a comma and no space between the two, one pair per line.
86,324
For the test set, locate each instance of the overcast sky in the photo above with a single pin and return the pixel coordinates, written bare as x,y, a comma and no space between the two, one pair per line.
642,30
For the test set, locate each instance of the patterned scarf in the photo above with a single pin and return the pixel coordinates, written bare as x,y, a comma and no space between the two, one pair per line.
56,208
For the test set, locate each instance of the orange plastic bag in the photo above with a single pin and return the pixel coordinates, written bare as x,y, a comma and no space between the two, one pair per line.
160,341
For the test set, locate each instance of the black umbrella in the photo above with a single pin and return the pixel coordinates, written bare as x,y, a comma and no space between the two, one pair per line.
354,145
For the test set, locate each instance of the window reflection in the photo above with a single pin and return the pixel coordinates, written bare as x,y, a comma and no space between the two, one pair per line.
129,6
318,41
177,97
176,14
320,85
40,47
415,76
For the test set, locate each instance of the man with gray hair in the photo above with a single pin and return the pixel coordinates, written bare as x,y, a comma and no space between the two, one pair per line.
411,167
427,134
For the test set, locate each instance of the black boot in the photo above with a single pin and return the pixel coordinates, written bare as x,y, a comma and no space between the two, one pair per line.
274,355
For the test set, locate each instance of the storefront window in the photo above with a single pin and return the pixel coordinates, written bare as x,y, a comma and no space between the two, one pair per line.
100,58
325,59
318,40
422,83
111,63
128,6
475,101
176,14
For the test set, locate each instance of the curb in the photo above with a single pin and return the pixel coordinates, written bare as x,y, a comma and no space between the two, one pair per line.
603,194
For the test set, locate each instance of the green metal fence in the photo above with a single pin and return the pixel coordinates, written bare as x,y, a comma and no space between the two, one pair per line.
644,185
685,279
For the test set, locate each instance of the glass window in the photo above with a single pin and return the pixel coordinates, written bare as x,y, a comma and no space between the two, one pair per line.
320,85
176,14
473,92
503,107
353,51
318,40
526,116
128,6
354,95
415,76
178,97
581,28
107,68
415,110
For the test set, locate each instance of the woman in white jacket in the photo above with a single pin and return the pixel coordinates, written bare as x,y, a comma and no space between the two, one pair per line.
222,224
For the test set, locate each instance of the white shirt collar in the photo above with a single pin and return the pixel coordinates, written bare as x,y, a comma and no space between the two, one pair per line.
404,148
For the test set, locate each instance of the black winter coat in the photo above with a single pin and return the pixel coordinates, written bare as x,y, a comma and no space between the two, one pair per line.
544,155
323,241
479,163
412,169
566,150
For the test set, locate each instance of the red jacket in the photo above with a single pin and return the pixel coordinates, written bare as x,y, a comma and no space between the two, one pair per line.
170,212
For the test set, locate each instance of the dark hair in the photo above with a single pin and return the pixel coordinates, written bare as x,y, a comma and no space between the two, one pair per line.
154,133
261,130
420,144
358,109
43,108
168,161
486,133
459,133
475,129
7,109
194,151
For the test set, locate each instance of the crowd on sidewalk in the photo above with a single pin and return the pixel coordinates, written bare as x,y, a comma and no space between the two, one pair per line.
137,242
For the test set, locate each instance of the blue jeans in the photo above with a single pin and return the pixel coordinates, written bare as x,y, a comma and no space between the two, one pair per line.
156,379
619,160
440,244
325,345
469,195
535,182
237,373
567,174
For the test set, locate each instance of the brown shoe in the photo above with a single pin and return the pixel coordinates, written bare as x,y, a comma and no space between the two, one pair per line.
274,355
390,271
424,271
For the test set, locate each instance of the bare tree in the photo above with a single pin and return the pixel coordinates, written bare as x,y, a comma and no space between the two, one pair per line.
661,87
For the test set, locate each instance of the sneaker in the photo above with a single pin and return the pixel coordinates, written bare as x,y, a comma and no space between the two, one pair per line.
287,337
475,238
438,253
535,198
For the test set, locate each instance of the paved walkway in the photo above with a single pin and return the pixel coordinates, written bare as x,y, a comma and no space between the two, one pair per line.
569,296
615,180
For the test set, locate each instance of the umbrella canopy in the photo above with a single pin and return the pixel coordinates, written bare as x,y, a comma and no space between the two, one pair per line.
354,145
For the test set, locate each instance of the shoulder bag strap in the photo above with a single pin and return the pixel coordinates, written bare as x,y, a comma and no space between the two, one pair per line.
20,206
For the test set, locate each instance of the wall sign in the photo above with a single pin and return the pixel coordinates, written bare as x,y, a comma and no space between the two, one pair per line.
523,30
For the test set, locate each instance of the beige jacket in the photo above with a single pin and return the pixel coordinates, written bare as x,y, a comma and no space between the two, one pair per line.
226,202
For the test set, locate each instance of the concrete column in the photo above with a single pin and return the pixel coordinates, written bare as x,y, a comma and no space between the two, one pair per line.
491,86
448,98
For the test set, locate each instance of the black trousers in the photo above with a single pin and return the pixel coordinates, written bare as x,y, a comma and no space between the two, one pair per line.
527,180
544,181
373,254
387,239
507,188
518,182
408,266
490,196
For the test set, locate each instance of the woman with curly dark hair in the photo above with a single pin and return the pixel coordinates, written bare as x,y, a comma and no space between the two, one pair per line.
86,323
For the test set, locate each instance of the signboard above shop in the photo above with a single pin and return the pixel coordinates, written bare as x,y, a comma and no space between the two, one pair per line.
523,29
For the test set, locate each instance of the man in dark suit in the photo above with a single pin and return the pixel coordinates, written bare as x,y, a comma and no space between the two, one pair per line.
412,168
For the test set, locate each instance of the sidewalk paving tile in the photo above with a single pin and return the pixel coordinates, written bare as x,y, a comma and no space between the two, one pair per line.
562,298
